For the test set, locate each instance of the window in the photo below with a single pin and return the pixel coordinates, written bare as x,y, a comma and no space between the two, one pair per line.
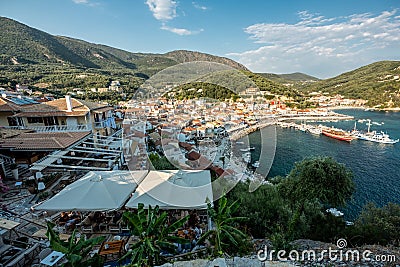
35,120
12,121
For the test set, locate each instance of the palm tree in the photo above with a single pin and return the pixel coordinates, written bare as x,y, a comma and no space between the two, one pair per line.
150,226
224,236
76,251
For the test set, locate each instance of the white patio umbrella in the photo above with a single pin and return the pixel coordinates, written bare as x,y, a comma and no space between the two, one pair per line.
96,191
172,189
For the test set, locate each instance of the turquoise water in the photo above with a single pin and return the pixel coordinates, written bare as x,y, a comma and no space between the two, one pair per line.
376,167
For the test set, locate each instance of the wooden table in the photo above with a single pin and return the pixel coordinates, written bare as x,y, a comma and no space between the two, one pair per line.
42,234
8,225
111,247
52,258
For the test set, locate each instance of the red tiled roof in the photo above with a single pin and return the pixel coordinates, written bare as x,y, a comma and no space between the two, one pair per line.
58,107
42,141
193,155
8,106
185,145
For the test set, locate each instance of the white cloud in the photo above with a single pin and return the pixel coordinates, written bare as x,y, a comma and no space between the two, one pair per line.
179,31
85,2
322,46
196,5
162,9
165,10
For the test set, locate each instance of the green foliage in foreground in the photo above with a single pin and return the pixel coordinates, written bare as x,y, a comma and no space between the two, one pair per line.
377,226
294,207
225,237
76,251
154,235
320,178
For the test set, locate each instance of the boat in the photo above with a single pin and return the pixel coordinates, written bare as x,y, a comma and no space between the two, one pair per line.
374,136
381,137
338,134
244,149
240,142
246,157
314,130
256,164
252,148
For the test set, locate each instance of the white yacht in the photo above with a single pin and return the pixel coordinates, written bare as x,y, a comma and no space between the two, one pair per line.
374,136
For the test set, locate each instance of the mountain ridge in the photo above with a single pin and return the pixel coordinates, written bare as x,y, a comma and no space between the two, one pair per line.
31,56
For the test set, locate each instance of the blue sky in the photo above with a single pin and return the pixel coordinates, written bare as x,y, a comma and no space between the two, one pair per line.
320,38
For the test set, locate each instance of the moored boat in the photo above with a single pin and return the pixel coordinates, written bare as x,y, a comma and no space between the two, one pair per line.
373,136
338,134
315,131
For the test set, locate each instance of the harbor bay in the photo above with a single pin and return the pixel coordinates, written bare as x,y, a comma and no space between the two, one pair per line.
375,166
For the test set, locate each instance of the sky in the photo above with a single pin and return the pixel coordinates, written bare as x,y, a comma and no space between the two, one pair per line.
319,38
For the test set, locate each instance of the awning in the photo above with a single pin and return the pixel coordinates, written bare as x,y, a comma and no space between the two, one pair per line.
173,189
96,191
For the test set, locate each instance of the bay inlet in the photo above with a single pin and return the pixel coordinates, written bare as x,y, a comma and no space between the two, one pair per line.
376,167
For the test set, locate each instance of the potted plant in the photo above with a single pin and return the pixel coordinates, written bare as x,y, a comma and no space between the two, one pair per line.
14,170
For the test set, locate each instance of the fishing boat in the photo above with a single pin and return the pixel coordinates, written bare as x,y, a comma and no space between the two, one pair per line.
338,134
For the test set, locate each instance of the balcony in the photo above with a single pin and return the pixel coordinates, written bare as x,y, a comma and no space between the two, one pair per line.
54,128
109,122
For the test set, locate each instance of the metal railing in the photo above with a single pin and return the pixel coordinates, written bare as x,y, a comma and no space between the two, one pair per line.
53,128
109,122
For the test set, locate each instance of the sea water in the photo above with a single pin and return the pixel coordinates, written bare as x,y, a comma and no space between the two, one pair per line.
376,167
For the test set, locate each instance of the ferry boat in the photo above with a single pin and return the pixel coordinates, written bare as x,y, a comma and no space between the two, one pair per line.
381,137
338,134
373,136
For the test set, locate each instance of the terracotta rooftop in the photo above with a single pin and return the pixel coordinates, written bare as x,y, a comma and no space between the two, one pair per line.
8,106
58,107
8,133
42,141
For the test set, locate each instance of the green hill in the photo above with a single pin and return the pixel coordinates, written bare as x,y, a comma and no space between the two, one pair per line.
31,56
379,83
182,56
289,78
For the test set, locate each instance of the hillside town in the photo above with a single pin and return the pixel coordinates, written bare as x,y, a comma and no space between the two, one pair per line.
52,147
